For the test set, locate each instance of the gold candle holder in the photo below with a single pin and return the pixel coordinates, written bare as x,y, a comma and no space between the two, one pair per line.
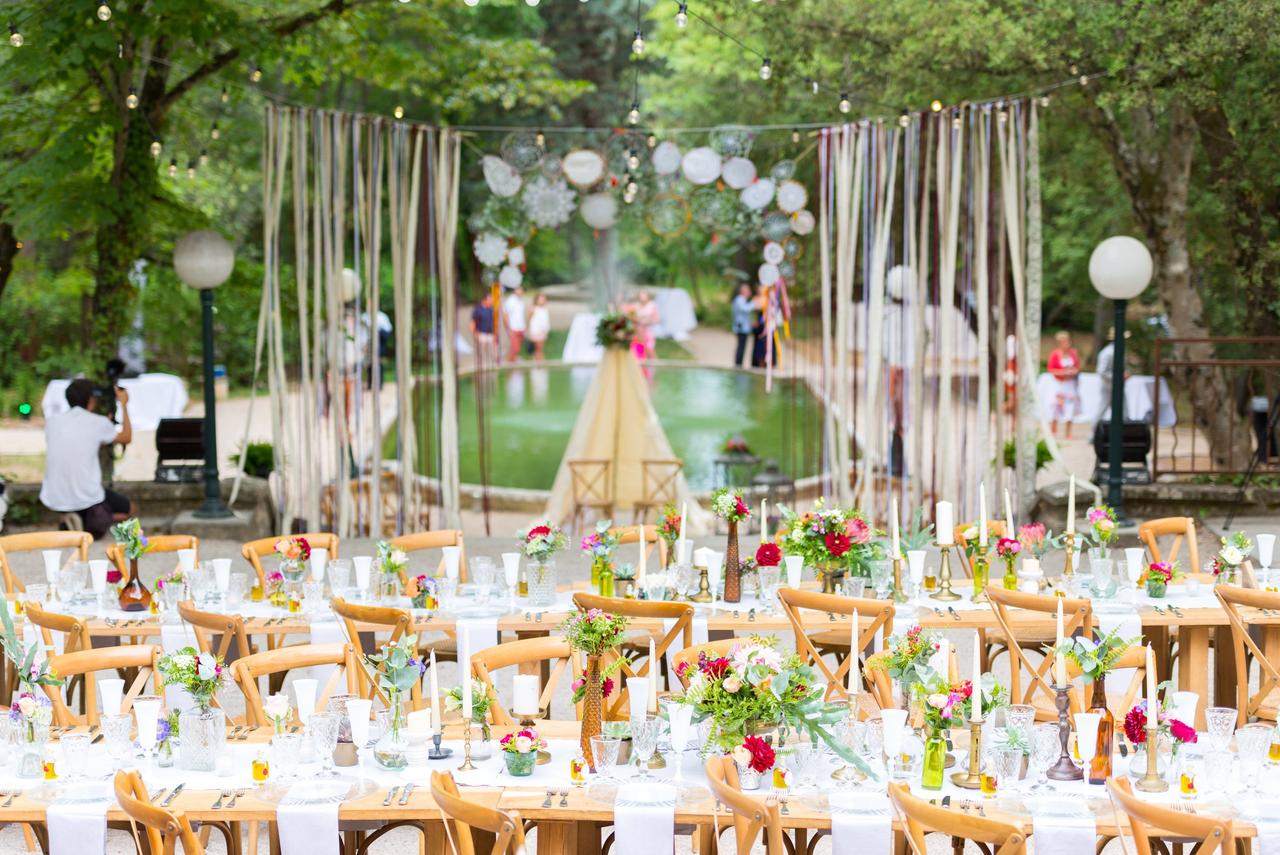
981,573
944,592
527,722
467,765
704,587
1069,543
1152,782
899,593
971,779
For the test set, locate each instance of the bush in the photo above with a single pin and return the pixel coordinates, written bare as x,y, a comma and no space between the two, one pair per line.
259,459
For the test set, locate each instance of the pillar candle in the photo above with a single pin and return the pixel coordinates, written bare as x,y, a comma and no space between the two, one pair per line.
435,694
1153,702
1009,528
977,678
465,672
1059,659
1071,506
764,521
640,566
895,553
855,673
418,723
653,677
982,513
525,689
945,523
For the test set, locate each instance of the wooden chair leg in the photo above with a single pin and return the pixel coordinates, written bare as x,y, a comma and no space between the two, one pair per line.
28,838
253,839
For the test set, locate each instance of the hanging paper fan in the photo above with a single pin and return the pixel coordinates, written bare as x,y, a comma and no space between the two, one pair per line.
550,166
583,167
666,158
782,170
802,222
787,270
701,165
792,247
792,196
775,226
549,204
502,177
773,252
510,276
768,274
521,150
490,249
599,210
506,217
668,215
515,255
714,208
758,194
732,140
739,172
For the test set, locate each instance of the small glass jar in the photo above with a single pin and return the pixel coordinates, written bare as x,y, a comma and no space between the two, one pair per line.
520,763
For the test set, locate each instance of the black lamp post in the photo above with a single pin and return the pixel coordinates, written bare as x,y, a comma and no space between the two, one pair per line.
204,260
1120,268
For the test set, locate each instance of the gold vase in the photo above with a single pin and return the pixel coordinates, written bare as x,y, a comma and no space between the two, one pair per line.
732,567
592,709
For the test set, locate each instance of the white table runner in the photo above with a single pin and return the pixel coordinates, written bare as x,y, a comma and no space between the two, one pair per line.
861,824
1062,826
78,827
307,817
644,819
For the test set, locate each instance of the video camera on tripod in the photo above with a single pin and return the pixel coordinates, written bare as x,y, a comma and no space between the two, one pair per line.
105,395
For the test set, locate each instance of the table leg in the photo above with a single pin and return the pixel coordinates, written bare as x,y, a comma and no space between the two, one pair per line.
1224,668
1193,665
568,838
542,669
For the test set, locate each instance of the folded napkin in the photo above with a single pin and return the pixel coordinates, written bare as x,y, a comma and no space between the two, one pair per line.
475,634
1129,622
861,824
307,818
174,637
644,819
1261,812
78,827
1062,826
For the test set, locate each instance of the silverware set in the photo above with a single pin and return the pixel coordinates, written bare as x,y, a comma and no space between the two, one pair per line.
115,622
241,732
391,794
404,796
955,614
546,803
173,795
240,792
223,796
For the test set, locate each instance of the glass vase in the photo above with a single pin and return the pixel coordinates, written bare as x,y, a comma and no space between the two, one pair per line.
604,581
134,596
935,760
1010,579
519,763
732,566
389,588
748,778
1100,766
389,752
34,735
202,737
1157,588
541,579
592,709
293,571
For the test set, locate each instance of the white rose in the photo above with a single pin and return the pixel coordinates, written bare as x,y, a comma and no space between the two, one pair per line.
732,684
397,556
184,660
27,706
524,744
1232,555
971,532
277,706
741,755
937,701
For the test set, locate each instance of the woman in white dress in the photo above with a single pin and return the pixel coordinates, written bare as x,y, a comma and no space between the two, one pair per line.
539,326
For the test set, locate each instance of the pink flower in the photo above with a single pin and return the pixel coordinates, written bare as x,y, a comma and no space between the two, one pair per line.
538,531
1182,732
741,508
857,530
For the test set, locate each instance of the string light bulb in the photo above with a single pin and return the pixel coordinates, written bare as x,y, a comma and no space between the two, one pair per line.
637,44
633,160
191,169
540,139
104,11
155,148
653,140
1084,80
226,96
936,106
795,136
173,166
398,112
214,133
204,157
15,37
1044,100
766,69
956,121
634,116
131,100
256,74
904,119
531,2
813,86
471,2
682,17
845,105
1003,114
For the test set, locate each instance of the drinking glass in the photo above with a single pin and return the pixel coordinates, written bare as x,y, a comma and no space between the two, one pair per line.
680,719
286,748
882,577
339,574
874,739
75,755
482,575
38,593
201,583
323,728
1045,747
71,580
605,751
1221,722
235,590
1252,743
810,761
118,733
770,577
146,711
856,586
1002,770
1217,771
1019,717
644,741
313,596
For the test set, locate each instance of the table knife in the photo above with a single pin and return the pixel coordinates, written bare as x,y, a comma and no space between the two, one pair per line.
169,798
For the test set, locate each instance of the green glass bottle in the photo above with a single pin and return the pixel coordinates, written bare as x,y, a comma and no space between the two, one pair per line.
604,581
935,761
1010,575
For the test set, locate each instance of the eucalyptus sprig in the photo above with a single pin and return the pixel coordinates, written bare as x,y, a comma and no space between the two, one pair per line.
1097,658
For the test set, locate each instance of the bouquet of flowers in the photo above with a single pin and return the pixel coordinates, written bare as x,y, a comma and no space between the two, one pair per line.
522,742
669,528
728,505
391,560
755,754
424,592
615,329
398,666
946,703
579,685
736,445
129,537
174,577
601,543
1102,524
1135,726
543,541
833,540
906,659
294,549
1158,575
1235,549
1095,659
1038,539
201,675
275,588
758,685
278,710
480,702
594,632
1008,548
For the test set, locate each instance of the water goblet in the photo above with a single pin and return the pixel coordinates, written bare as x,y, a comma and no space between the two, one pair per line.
38,593
236,589
873,740
117,731
75,755
810,761
882,577
1087,737
1045,747
323,728
71,579
482,575
856,586
1001,770
770,577
339,573
1252,743
644,741
604,749
680,718
1019,717
1221,722
286,749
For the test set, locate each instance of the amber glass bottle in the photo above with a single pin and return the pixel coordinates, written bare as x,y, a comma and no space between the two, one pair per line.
134,596
1100,767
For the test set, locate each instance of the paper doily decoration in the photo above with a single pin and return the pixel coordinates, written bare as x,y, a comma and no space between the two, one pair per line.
521,150
732,140
714,208
802,222
551,166
666,158
787,270
775,226
515,255
701,165
782,170
599,210
549,204
739,172
792,196
773,252
490,249
583,167
769,274
502,177
758,194
668,215
510,276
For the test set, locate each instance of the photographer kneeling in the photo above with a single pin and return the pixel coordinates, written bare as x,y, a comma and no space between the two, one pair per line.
73,471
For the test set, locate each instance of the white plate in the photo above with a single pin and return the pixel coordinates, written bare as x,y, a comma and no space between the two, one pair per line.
274,792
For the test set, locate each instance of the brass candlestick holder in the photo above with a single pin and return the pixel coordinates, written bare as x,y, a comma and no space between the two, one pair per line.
1152,782
527,722
704,587
899,593
1069,543
1064,769
944,592
981,573
467,765
971,779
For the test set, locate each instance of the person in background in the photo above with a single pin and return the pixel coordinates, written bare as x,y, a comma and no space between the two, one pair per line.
539,326
647,317
72,471
743,322
513,318
763,352
482,330
1064,365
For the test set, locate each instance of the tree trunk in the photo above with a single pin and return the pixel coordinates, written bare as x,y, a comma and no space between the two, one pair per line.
8,251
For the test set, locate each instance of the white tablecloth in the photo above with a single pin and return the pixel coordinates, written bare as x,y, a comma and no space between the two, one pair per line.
1139,399
152,397
580,344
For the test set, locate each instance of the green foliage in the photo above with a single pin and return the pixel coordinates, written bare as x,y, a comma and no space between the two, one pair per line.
259,458
1043,455
397,666
1095,658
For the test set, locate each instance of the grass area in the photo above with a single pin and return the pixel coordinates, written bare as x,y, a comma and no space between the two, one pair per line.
22,467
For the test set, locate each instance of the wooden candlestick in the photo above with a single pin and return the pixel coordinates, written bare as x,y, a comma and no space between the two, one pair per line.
1064,769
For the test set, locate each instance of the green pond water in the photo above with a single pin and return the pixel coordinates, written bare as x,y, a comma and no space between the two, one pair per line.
530,413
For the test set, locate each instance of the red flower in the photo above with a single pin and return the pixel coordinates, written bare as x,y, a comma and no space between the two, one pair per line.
768,555
713,668
741,508
1182,732
762,755
1135,724
857,531
837,544
113,576
538,531
606,687
964,689
682,669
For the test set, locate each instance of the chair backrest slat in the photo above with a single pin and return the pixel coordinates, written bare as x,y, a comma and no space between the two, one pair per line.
524,651
1233,600
436,539
398,621
12,544
156,544
920,818
248,670
141,658
255,550
1077,619
751,815
810,611
228,627
1149,821
1182,529
463,816
164,828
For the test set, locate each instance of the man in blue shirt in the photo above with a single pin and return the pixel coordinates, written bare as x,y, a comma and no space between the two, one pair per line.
743,321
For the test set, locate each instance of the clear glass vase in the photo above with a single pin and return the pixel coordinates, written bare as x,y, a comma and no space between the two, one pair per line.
293,571
542,584
519,764
34,734
390,751
202,737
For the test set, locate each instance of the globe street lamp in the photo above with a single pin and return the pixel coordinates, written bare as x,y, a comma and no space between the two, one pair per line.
1120,268
203,260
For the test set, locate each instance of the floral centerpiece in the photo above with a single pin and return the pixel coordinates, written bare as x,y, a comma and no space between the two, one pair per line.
275,589
728,505
768,555
579,685
134,596
1168,728
757,688
31,713
398,669
201,675
669,530
615,330
1157,577
1096,659
1102,525
293,552
520,751
1226,564
425,592
736,445
1007,548
753,757
834,541
1038,539
278,711
172,587
595,634
540,543
599,547
906,660
393,565
945,705
480,703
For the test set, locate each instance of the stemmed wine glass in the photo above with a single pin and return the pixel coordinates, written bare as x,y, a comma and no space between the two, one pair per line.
644,741
681,720
1045,746
323,728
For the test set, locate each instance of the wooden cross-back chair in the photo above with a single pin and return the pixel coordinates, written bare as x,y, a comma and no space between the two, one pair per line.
435,539
629,534
1148,821
525,651
398,621
995,529
87,663
1182,529
248,670
679,636
1264,703
232,638
1077,619
752,817
33,541
713,649
592,487
920,818
164,829
255,550
73,632
463,817
361,510
875,617
659,484
156,543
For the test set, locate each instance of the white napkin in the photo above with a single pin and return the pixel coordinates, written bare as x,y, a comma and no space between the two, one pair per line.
1130,625
174,637
327,632
699,636
475,634
644,819
307,818
861,824
1261,812
1062,826
77,828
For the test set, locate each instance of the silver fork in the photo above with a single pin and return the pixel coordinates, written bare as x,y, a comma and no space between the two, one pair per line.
546,803
222,796
785,810
159,793
391,794
237,795
564,798
9,800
